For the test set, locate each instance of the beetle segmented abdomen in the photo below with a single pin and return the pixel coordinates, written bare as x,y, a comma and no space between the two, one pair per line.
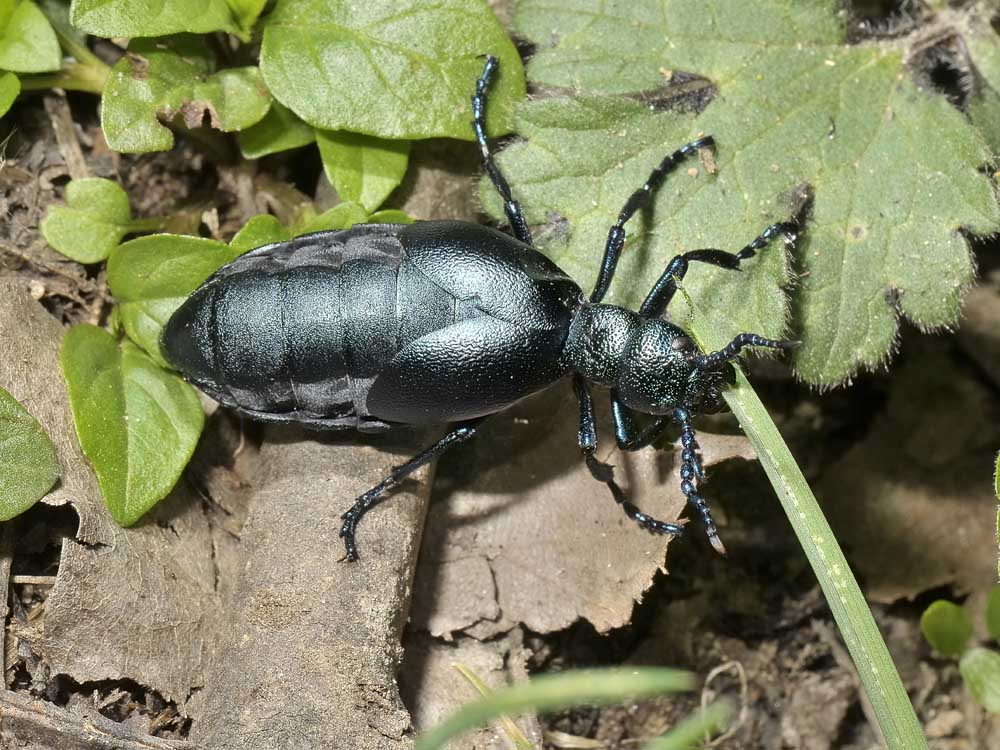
249,340
299,330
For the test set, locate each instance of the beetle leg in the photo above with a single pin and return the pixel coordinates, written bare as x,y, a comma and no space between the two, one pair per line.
691,474
638,199
515,215
733,348
603,472
663,290
628,436
372,497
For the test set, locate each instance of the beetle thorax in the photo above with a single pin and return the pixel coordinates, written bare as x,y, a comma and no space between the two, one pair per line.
597,339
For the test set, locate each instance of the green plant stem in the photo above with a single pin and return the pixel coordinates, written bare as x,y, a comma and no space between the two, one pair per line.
150,224
551,692
73,76
878,674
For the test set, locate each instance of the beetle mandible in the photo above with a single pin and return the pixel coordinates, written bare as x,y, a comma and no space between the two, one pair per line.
448,321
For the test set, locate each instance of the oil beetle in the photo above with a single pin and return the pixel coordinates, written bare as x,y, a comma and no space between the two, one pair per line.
448,321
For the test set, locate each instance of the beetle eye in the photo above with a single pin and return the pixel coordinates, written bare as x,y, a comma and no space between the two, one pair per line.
682,344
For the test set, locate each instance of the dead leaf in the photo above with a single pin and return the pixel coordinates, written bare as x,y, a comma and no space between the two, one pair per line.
519,532
139,603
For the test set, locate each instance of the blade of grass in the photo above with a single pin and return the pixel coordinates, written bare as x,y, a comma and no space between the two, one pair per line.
514,734
878,674
551,692
693,729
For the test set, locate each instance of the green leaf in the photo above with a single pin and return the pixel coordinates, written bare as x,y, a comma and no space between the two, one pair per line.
341,216
390,216
29,459
280,130
401,69
174,77
591,687
984,104
246,13
140,18
691,732
980,668
27,42
10,87
993,613
137,423
947,627
261,230
791,104
151,276
93,222
362,168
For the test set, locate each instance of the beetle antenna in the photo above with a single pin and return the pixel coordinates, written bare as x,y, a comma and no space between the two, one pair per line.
734,347
692,474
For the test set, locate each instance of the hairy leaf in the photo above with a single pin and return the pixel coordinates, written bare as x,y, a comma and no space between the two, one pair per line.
151,276
946,627
29,459
980,668
27,42
139,18
175,77
280,130
364,169
10,87
794,110
93,222
388,68
137,423
984,104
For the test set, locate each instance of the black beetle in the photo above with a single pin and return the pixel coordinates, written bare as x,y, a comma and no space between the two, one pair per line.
447,321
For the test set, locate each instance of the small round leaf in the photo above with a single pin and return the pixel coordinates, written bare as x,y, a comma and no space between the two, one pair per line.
28,457
10,87
980,668
947,627
993,613
27,42
136,18
174,77
280,130
92,223
261,230
364,169
137,423
389,68
151,276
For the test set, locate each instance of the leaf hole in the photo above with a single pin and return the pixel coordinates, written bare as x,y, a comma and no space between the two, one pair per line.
945,68
881,19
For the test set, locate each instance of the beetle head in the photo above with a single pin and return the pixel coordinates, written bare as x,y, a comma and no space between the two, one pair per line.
657,373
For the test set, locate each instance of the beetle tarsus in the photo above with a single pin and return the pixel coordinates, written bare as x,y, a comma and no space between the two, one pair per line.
692,474
604,473
663,290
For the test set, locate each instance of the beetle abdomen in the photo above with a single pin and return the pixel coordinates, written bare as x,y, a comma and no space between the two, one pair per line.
298,330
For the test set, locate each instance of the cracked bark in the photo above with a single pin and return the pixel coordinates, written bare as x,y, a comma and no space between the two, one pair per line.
312,645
